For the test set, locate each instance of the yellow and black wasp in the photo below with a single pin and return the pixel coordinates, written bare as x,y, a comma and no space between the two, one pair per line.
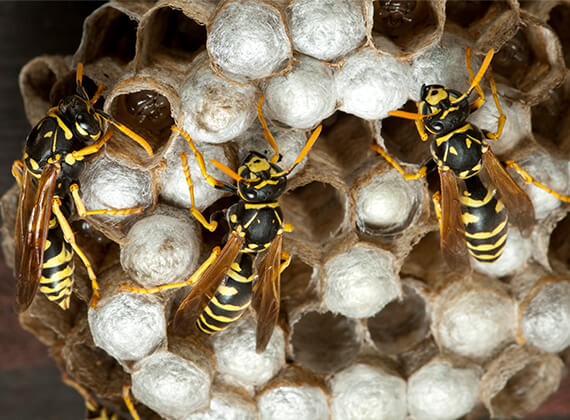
224,284
94,410
475,220
54,156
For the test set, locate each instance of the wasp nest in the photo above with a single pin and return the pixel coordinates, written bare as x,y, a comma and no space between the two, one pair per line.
373,323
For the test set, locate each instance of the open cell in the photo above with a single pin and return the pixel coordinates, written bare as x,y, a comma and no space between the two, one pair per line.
67,86
296,285
560,21
324,343
317,211
170,34
401,324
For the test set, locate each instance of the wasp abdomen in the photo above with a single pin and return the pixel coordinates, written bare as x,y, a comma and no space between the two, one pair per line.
57,270
485,219
231,299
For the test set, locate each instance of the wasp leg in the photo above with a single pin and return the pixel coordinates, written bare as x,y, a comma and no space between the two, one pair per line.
285,261
70,239
92,148
502,117
211,226
421,128
17,171
90,403
527,178
287,227
74,189
481,100
436,198
191,280
420,174
266,133
199,157
129,402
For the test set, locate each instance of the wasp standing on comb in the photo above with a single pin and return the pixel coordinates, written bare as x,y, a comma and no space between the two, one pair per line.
474,220
47,175
224,286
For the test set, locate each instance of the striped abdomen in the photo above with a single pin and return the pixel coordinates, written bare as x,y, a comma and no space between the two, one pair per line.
485,220
57,271
231,299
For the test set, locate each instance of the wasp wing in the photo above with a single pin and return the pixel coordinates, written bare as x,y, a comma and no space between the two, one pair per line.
32,225
191,307
267,292
517,202
452,235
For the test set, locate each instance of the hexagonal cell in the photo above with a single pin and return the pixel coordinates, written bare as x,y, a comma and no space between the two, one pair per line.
401,138
518,381
316,210
559,20
108,32
559,246
169,34
324,342
401,324
148,112
468,13
296,284
530,63
293,402
410,25
554,113
66,86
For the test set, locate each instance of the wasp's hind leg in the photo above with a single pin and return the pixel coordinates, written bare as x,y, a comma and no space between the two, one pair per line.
83,212
420,174
527,178
69,237
191,280
502,116
129,402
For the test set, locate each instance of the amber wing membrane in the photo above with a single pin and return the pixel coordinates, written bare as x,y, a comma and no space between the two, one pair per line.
517,202
32,224
191,307
452,235
266,294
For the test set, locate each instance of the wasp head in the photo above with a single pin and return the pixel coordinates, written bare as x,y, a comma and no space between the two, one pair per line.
441,101
81,118
267,183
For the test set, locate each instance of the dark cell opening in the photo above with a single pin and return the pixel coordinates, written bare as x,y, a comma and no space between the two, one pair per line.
467,12
560,22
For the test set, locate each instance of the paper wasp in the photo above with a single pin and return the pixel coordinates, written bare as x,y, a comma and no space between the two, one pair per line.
475,221
224,286
54,156
97,411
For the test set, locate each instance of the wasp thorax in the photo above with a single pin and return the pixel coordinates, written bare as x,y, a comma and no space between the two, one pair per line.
262,180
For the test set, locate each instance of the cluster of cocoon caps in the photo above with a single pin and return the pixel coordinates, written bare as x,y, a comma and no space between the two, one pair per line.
361,281
162,248
311,58
364,391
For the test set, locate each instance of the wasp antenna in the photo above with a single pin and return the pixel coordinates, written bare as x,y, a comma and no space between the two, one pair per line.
126,130
79,82
478,76
407,115
267,134
304,152
227,170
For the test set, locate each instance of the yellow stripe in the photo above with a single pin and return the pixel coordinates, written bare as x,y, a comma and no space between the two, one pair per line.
447,111
48,134
250,221
60,275
487,235
227,306
249,206
67,283
61,295
471,202
440,140
227,291
67,132
469,218
488,247
487,257
63,257
500,206
453,151
220,318
266,182
213,327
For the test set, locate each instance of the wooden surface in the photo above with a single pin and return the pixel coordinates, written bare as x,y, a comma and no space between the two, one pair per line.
30,386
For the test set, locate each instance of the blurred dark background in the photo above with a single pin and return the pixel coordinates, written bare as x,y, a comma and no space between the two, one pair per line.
30,385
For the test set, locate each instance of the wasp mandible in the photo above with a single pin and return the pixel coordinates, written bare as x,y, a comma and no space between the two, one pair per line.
224,283
475,220
54,157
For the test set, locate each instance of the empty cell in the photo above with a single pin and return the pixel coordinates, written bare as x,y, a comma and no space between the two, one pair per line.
317,210
296,284
559,20
324,343
401,324
468,13
169,35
